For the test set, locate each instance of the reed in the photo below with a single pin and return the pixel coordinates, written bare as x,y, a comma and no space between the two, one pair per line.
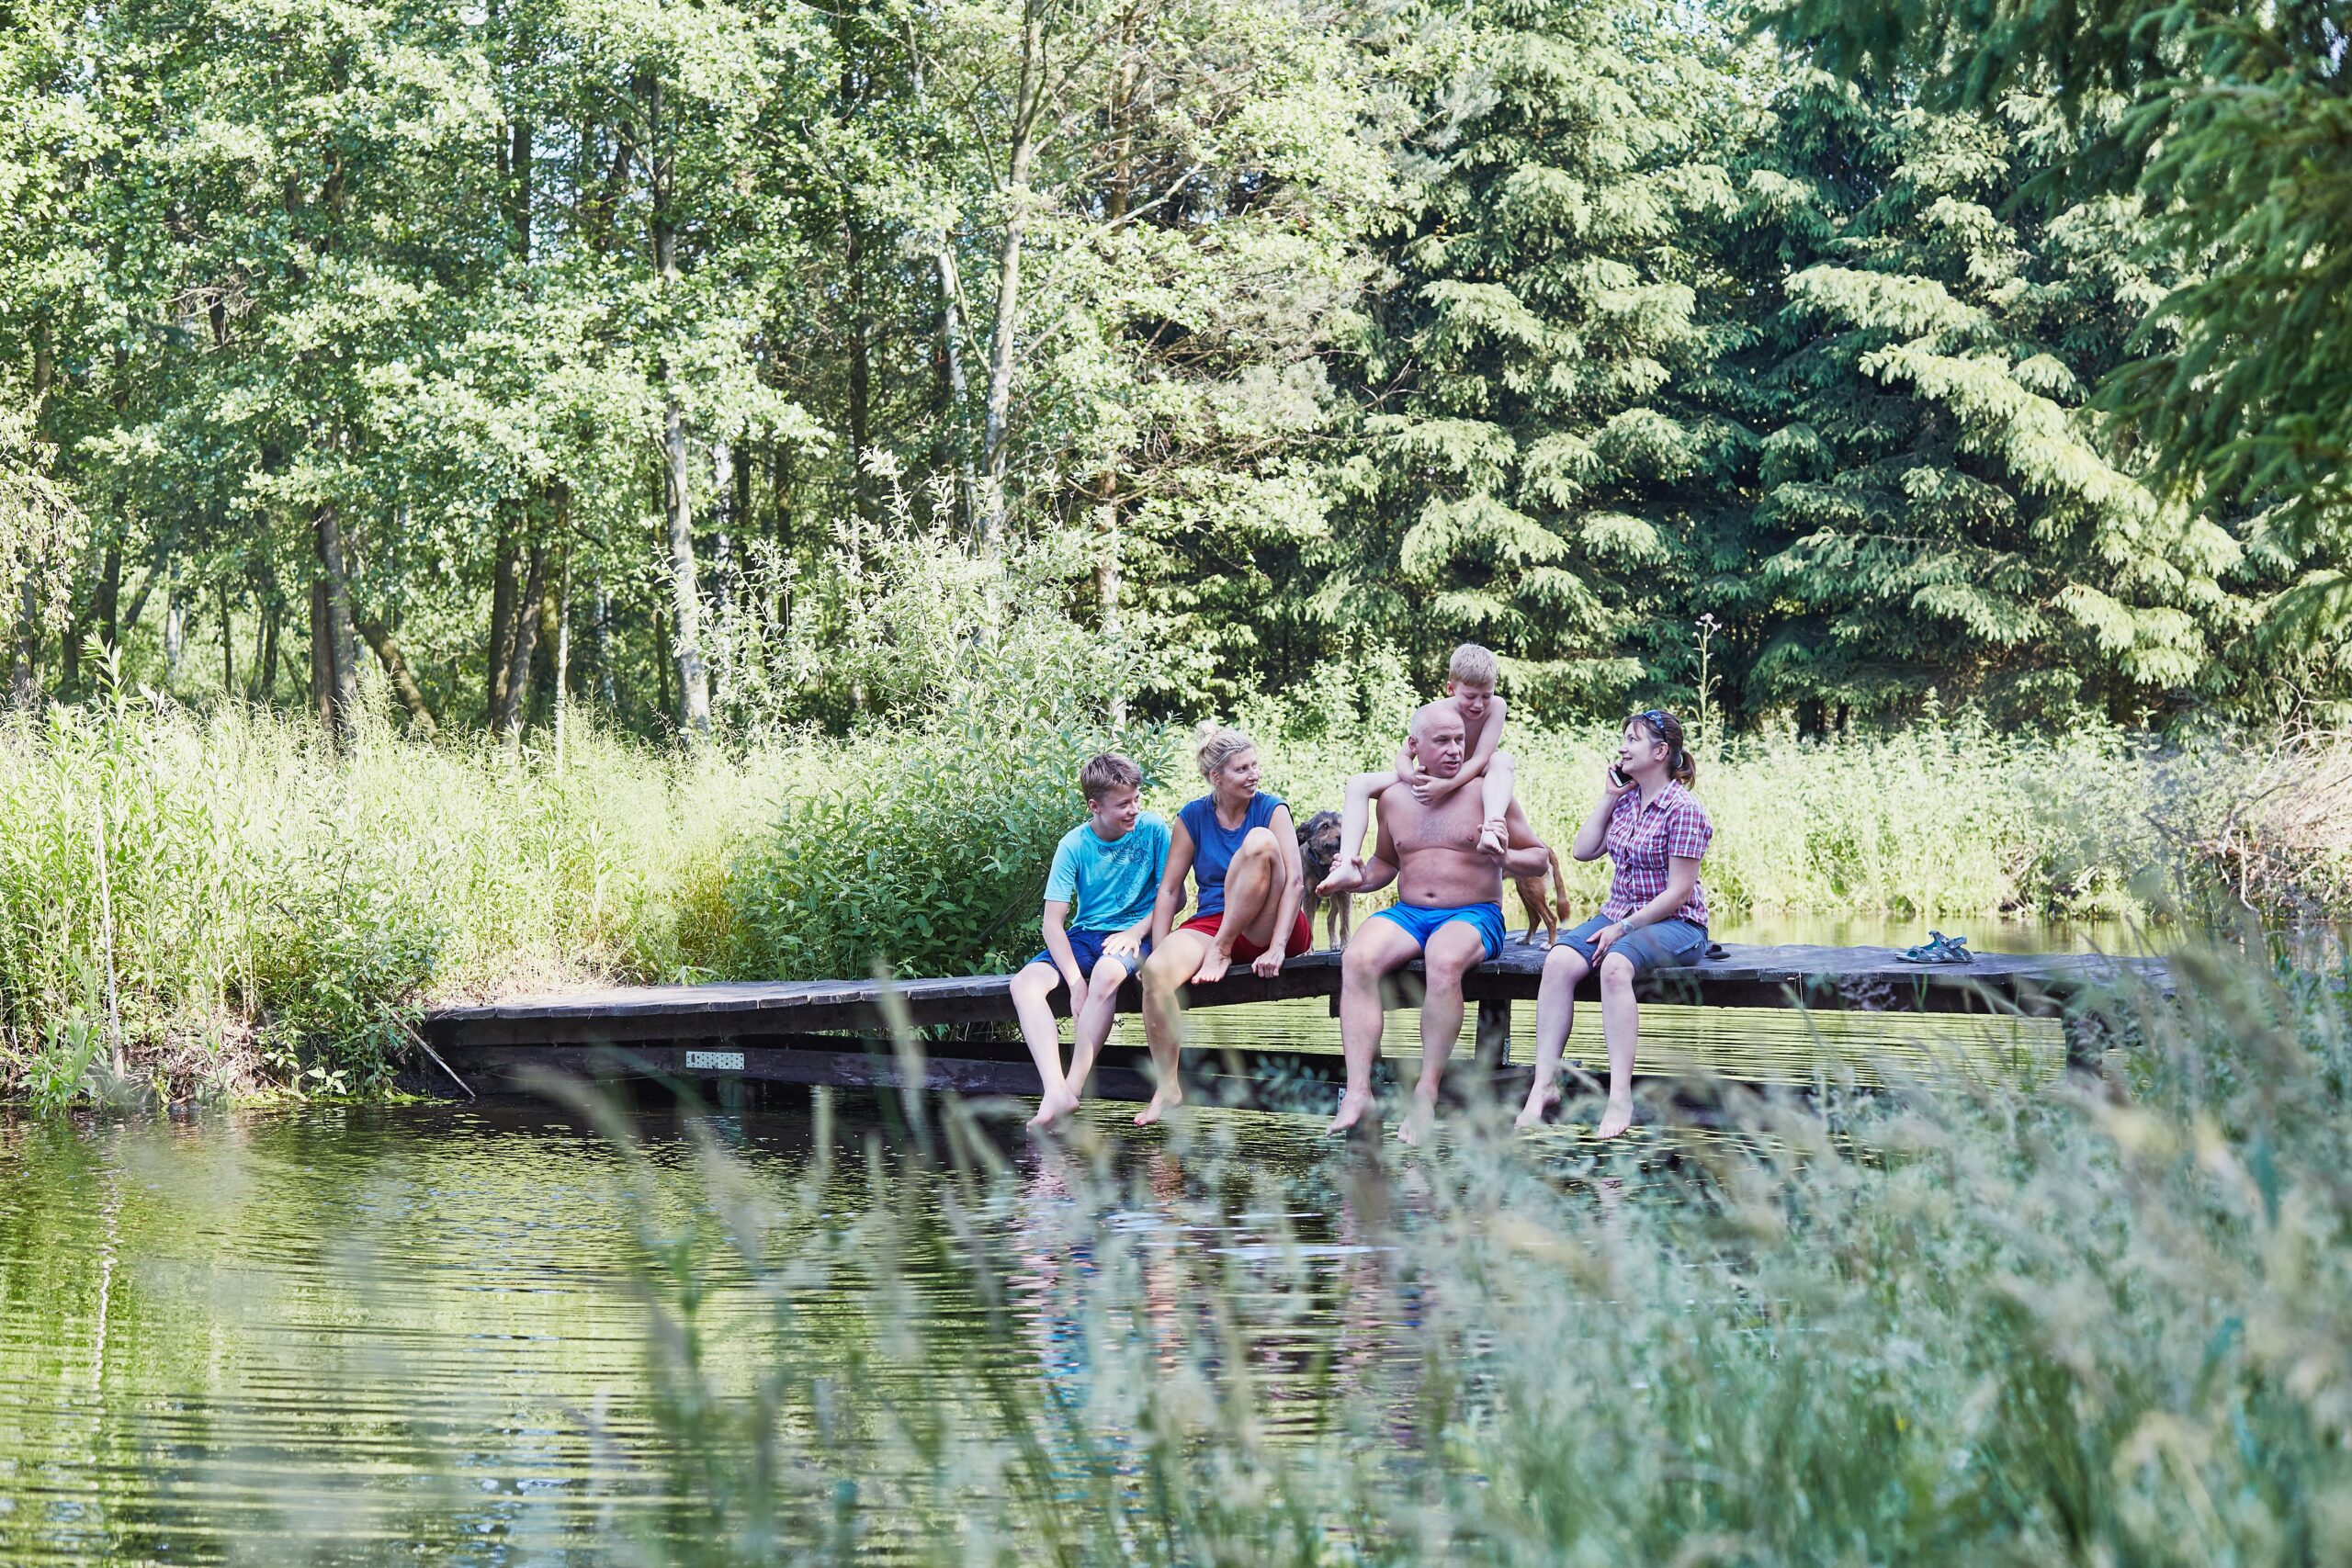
1959,1322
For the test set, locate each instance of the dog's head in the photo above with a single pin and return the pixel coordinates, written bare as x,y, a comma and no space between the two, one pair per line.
1318,842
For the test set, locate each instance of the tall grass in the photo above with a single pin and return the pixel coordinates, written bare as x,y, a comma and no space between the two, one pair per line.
220,903
1961,1325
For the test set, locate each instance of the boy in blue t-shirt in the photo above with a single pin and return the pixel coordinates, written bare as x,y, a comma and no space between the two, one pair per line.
1110,866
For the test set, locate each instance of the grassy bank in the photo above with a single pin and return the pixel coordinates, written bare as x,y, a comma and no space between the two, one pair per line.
1961,1324
219,903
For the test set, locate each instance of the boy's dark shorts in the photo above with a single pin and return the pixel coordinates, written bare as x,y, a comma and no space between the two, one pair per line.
1087,948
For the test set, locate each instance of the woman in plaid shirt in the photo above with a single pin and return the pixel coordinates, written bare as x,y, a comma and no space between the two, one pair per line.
1654,833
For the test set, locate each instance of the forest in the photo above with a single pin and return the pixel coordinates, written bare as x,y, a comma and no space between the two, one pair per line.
520,355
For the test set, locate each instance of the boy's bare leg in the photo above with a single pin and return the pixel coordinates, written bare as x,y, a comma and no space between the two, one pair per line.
1164,973
1454,949
1555,1015
1251,903
1092,1026
1495,797
1355,819
1032,991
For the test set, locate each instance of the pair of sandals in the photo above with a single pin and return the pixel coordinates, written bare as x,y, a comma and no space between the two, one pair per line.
1939,949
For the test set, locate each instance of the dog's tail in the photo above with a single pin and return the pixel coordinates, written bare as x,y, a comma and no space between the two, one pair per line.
1559,880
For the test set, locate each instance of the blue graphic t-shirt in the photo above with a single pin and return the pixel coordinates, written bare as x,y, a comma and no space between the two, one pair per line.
1112,882
1213,843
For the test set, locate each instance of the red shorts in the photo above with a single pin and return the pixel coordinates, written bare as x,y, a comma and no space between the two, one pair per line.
1302,936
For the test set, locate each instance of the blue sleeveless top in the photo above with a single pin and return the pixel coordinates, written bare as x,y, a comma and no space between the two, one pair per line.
1213,843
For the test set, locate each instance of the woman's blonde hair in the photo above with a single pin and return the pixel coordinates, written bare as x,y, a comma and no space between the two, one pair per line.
1216,746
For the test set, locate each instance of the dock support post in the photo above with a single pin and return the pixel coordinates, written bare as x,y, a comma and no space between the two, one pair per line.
1494,1034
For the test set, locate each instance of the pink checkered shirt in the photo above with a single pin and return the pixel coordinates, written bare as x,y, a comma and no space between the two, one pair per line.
1640,840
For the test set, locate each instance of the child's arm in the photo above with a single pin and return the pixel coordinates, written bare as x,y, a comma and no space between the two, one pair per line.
1490,738
1057,946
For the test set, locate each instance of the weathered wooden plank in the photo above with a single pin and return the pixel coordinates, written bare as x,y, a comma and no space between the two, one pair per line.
1870,979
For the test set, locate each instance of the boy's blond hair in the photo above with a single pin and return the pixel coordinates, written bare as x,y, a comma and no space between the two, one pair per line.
1103,773
1474,666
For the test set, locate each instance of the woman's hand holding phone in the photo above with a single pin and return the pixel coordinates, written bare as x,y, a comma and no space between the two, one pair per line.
1612,782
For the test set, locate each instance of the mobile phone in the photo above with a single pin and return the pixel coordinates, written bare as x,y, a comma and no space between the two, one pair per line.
1617,776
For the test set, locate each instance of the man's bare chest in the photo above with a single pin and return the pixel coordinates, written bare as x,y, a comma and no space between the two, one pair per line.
1452,824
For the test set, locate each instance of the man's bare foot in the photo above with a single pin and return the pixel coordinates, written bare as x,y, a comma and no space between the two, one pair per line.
1166,1100
1493,839
1352,1108
1537,1107
1051,1108
1214,964
1616,1119
1418,1120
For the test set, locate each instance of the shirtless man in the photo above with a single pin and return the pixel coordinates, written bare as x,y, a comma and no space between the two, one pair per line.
1451,916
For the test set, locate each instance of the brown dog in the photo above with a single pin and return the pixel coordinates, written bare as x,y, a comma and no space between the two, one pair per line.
1319,846
1542,904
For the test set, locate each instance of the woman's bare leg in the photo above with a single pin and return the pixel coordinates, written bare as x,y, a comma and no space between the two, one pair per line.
1251,884
1555,1015
1620,1027
1164,973
1033,990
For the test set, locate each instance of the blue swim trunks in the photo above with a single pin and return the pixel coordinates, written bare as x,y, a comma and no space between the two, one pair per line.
1422,924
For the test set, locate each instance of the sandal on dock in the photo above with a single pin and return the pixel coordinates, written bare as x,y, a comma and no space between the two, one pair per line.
1939,949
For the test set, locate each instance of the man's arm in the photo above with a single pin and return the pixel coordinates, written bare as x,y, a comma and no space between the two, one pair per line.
1529,860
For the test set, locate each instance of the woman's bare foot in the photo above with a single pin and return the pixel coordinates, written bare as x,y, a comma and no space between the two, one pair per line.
1352,1110
1616,1119
1494,838
1214,964
1166,1100
1051,1108
1418,1120
1537,1108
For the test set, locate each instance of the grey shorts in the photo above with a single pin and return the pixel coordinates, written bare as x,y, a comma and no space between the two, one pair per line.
1662,946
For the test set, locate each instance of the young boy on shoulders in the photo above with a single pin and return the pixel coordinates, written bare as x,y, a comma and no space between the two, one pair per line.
1109,867
1470,677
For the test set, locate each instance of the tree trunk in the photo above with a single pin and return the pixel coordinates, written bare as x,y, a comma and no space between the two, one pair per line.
388,653
685,594
561,686
321,657
607,689
342,675
722,573
1106,582
273,611
526,641
502,621
994,448
227,644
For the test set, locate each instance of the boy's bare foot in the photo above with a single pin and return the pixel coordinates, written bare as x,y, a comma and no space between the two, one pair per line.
1418,1120
1214,964
1346,871
1537,1108
1167,1099
1051,1108
1352,1110
1494,838
1616,1119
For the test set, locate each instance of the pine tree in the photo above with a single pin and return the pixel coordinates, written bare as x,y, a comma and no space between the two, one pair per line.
1933,509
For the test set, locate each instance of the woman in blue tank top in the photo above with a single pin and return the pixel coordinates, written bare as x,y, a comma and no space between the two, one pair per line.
1239,847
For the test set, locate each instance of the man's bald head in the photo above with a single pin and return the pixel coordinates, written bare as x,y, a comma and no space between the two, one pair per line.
1438,738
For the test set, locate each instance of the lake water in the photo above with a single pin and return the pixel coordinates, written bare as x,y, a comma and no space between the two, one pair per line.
413,1334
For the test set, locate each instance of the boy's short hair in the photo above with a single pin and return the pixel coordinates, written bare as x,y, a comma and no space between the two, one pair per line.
1473,664
1103,773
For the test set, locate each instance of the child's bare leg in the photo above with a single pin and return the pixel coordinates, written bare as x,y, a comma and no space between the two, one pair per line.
1494,794
1092,1026
1355,819
1032,991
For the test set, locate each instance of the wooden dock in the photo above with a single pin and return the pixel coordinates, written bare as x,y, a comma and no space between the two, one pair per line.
823,1032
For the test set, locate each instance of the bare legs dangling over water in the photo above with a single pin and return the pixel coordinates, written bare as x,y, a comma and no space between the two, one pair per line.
1555,1011
1253,907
